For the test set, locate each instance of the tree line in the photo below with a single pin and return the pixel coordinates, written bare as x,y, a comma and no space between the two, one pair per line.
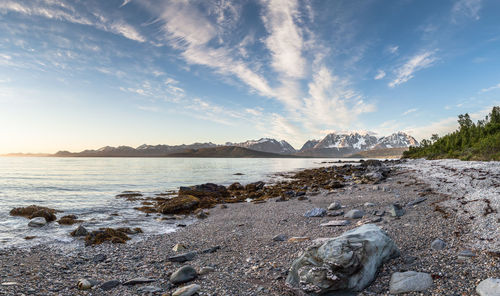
471,141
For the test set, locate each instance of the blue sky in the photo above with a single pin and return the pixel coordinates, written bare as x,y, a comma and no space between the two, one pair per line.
85,74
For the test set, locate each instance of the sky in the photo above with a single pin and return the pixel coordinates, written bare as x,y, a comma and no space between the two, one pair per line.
80,74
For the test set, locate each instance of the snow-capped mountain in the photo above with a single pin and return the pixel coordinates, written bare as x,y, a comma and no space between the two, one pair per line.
396,140
266,145
309,144
355,141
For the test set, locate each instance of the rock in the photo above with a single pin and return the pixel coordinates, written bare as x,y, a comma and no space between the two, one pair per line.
396,210
182,204
279,238
116,236
206,269
201,215
84,284
235,186
409,281
68,220
345,263
334,206
37,222
354,214
183,275
336,223
208,190
379,213
416,201
187,290
149,289
99,258
369,204
110,285
375,220
335,213
179,248
466,254
255,186
316,212
79,231
34,211
297,239
223,206
182,257
489,287
8,284
438,244
138,281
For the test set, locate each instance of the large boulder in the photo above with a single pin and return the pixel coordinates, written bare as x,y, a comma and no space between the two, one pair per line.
345,263
489,287
34,211
409,281
182,204
205,190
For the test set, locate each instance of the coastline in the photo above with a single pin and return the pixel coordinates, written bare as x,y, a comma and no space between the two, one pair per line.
250,262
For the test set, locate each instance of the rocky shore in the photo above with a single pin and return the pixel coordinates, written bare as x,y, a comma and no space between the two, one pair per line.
248,248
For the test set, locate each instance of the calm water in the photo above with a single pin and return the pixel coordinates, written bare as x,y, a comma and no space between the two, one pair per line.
87,187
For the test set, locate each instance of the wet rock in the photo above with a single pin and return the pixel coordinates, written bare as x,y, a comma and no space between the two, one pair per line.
489,287
410,281
417,201
102,235
68,220
106,286
255,186
183,204
130,195
80,231
138,281
179,248
438,244
395,210
334,206
297,239
279,238
335,213
184,274
207,190
354,214
345,263
236,186
316,212
187,290
336,223
34,211
84,284
37,222
182,257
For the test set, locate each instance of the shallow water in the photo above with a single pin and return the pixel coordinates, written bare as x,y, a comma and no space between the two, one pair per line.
87,187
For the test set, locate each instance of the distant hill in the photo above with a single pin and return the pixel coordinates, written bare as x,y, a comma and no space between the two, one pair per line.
266,145
227,151
380,153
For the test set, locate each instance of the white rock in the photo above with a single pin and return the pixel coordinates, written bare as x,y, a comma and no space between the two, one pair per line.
179,248
347,262
369,204
334,206
187,290
84,284
489,287
336,223
402,282
37,222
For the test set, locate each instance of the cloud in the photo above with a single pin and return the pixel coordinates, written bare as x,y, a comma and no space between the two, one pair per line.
393,49
380,75
410,111
416,63
490,88
467,9
125,2
255,112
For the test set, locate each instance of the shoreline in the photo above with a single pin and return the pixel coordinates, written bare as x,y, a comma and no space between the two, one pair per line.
250,262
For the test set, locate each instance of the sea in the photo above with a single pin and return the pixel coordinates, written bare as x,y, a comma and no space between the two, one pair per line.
86,187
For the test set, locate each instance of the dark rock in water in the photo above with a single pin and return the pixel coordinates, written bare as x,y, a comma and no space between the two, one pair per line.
238,174
280,238
183,275
137,281
183,204
346,263
99,258
29,237
102,235
417,201
106,286
80,231
438,244
316,212
236,186
396,210
130,195
210,250
34,211
68,220
182,257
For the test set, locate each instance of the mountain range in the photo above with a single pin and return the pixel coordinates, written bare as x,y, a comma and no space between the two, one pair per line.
332,145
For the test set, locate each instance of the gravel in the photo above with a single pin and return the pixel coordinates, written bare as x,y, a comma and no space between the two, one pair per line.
239,246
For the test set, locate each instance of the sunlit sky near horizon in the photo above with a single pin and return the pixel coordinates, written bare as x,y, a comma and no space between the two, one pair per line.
86,74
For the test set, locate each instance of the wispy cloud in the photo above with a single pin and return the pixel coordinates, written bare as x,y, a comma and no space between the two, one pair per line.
380,75
466,8
410,111
393,49
416,63
490,88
